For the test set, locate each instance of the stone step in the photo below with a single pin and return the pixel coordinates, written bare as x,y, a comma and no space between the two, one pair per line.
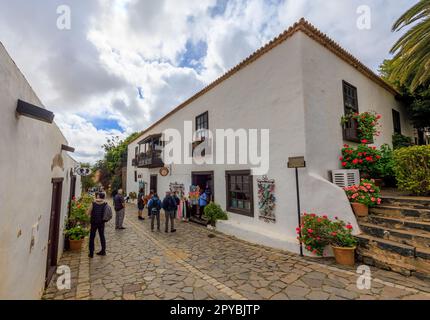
397,211
394,256
399,223
415,238
405,201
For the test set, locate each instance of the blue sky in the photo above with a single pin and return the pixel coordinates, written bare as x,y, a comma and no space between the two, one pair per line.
125,63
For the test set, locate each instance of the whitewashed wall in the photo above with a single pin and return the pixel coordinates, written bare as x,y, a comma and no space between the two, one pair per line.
27,150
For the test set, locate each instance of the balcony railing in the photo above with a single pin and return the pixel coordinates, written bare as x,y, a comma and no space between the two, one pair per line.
150,159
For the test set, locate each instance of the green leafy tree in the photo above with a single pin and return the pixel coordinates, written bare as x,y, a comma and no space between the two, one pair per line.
411,63
114,159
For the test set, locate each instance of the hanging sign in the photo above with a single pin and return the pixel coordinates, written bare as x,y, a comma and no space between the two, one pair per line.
164,171
83,171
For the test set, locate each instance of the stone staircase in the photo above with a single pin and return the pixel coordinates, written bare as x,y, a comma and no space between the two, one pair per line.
396,236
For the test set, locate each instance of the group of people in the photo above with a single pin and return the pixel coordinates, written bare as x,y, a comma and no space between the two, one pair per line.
100,213
169,204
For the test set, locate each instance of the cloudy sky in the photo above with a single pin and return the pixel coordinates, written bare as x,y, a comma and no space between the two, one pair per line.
124,63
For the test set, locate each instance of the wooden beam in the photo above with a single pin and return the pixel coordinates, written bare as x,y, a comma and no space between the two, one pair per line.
67,148
29,110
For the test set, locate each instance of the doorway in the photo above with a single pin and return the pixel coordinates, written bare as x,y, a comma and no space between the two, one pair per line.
153,183
54,229
205,180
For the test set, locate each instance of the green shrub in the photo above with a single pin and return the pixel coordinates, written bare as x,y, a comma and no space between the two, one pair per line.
401,141
77,233
213,213
412,168
386,163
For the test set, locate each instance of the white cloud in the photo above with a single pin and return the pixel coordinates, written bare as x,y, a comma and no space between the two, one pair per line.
118,46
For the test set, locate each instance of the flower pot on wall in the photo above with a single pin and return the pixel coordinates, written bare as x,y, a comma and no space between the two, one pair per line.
344,256
76,245
360,210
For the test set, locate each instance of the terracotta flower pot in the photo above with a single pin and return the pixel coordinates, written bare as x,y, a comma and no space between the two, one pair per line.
344,256
76,245
360,210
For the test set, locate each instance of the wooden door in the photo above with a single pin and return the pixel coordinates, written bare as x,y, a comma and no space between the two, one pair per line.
153,183
54,229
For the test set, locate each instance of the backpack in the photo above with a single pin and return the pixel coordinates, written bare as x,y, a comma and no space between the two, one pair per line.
154,205
107,215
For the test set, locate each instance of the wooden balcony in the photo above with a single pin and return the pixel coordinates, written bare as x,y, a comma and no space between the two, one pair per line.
150,160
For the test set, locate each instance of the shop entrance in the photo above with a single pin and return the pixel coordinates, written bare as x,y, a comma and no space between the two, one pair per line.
205,181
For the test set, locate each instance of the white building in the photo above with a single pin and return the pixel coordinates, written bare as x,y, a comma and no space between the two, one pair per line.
296,86
36,186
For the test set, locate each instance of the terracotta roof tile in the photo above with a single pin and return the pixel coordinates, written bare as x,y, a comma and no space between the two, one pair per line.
310,31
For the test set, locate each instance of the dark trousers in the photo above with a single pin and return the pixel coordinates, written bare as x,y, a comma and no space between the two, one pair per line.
100,227
170,215
153,216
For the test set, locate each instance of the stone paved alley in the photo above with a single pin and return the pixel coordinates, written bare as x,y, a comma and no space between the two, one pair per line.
190,265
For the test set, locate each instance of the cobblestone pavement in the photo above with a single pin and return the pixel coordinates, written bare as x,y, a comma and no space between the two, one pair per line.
190,265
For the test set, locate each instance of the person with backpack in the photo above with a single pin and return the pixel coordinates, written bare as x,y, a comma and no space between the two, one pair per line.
154,207
177,201
119,205
100,213
146,201
169,206
140,204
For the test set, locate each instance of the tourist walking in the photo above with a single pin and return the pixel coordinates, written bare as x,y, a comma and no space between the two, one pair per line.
140,204
100,213
177,201
169,206
146,200
119,205
154,207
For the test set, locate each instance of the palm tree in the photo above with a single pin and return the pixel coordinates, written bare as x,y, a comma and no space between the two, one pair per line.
411,63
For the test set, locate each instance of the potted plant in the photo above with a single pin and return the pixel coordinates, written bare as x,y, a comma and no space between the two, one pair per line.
78,216
342,242
213,213
313,233
76,236
133,196
363,196
364,158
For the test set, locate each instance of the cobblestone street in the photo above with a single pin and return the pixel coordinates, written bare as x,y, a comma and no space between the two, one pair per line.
190,265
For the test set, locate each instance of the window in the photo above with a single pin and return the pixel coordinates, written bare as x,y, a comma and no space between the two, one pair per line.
396,122
135,176
350,99
239,188
202,124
